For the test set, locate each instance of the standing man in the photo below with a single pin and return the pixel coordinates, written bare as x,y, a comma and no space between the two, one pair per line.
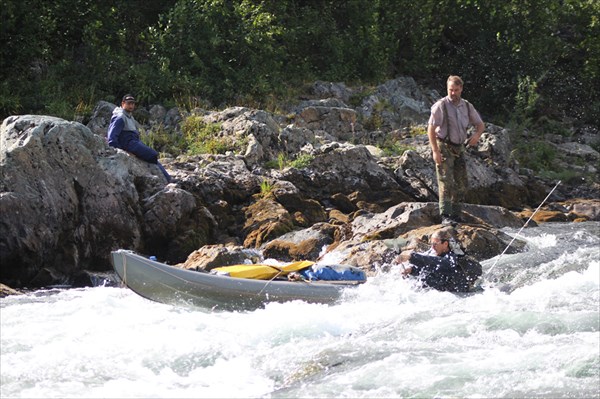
447,131
122,133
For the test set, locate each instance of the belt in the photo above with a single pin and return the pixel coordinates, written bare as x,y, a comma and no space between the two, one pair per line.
448,142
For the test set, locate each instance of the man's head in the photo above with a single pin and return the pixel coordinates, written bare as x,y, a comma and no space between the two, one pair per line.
128,103
454,84
440,241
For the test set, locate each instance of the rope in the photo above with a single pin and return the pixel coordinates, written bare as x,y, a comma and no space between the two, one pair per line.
519,232
269,282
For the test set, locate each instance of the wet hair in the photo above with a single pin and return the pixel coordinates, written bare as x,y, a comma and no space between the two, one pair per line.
442,235
455,79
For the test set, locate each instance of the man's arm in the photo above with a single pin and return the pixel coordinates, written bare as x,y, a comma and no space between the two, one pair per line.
114,130
479,126
437,264
435,149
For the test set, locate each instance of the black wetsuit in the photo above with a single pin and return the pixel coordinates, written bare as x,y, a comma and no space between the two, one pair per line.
440,272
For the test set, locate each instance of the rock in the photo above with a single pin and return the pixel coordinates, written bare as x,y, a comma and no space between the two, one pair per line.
173,118
543,216
210,256
494,144
266,220
174,225
371,256
258,127
294,140
100,119
398,103
336,217
157,115
579,150
341,123
584,208
288,195
5,291
489,183
345,170
407,220
343,203
495,216
332,90
57,201
67,199
301,245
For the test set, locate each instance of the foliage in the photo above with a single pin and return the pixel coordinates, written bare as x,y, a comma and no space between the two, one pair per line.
197,137
417,130
200,137
520,60
165,141
282,161
392,147
265,188
302,161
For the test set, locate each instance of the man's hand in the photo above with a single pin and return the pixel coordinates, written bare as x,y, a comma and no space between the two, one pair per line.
473,141
475,138
403,258
437,156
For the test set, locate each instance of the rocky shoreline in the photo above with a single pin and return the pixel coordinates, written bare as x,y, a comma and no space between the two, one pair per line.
67,199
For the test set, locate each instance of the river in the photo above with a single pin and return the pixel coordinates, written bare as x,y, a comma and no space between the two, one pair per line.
533,332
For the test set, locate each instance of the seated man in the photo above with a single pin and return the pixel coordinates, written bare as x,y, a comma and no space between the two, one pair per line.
440,267
122,133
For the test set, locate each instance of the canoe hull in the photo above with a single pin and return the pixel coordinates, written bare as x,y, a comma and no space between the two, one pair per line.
171,285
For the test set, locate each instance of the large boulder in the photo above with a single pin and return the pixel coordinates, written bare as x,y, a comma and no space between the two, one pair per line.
397,103
67,200
490,178
256,127
336,119
347,169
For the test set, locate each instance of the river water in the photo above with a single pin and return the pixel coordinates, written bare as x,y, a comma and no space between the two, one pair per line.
533,332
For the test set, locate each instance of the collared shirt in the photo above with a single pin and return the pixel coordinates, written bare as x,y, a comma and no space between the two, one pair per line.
459,118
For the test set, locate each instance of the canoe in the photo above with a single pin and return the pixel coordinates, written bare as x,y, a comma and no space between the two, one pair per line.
176,286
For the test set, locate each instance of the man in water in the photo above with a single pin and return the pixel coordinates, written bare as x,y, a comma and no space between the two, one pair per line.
447,131
440,267
122,133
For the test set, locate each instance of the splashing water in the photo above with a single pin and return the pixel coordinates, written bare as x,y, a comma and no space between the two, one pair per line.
387,338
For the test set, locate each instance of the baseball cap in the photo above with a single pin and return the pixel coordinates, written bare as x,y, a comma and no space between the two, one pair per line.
127,98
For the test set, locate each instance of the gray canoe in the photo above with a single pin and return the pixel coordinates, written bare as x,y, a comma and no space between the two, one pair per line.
175,286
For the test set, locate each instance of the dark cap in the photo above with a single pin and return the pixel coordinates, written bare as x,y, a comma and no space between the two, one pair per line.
128,98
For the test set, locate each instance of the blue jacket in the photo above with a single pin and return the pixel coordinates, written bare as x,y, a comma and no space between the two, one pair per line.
440,272
122,129
122,133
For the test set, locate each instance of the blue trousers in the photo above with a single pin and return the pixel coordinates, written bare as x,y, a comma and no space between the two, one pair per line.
143,152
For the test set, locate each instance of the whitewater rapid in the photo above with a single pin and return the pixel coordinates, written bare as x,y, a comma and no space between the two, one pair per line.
534,331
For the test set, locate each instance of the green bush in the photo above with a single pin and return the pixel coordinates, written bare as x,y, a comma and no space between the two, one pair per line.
165,141
392,148
200,137
537,155
282,161
265,188
302,161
